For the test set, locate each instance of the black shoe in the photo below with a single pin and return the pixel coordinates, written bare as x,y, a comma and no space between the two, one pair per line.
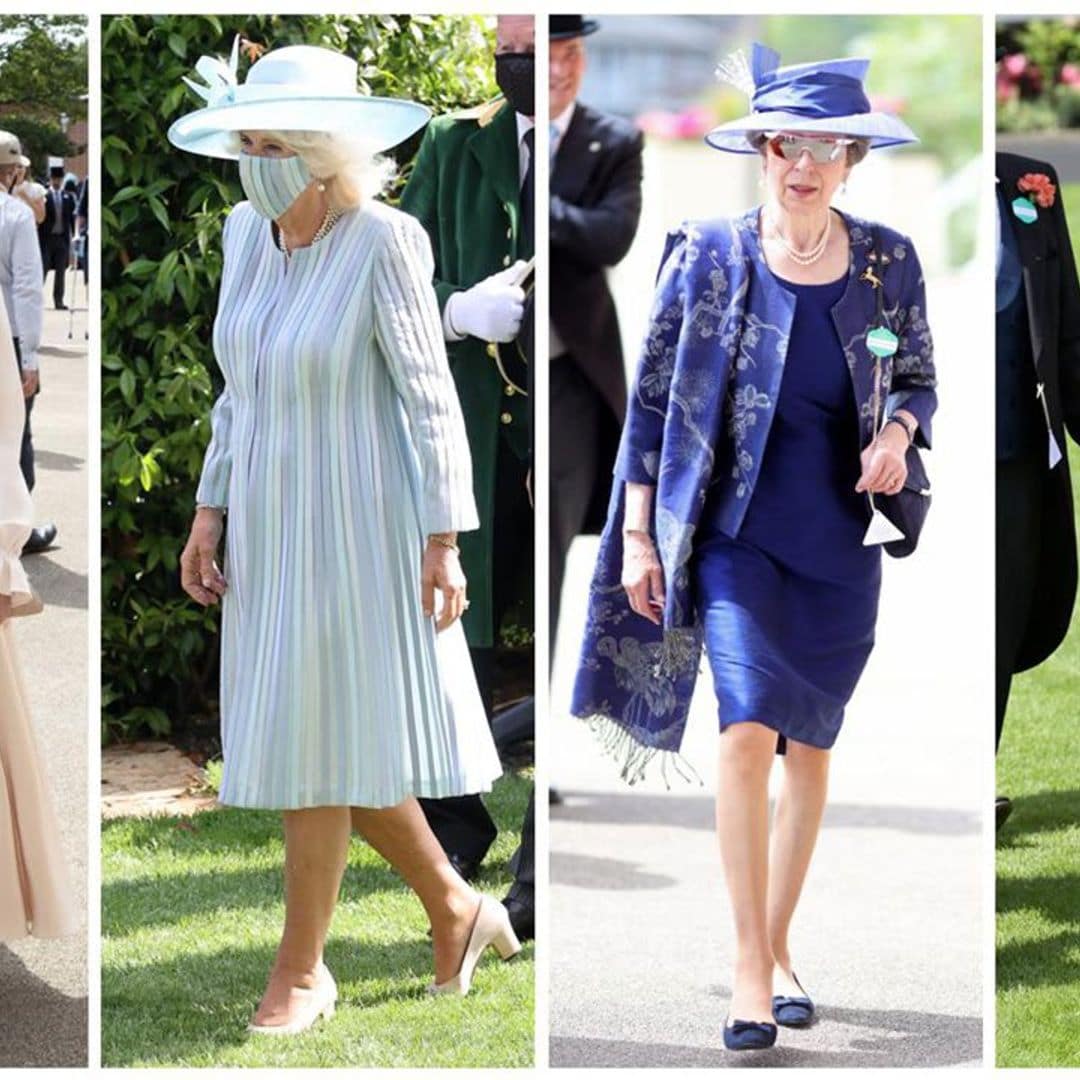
554,798
1002,810
61,307
466,868
522,917
40,539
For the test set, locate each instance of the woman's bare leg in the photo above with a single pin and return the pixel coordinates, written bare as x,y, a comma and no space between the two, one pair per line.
316,843
796,825
742,826
402,836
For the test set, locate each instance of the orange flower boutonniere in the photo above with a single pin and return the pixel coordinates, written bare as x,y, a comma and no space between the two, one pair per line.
1040,186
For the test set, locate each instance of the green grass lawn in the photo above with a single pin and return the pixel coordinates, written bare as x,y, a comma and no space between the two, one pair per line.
191,914
1038,854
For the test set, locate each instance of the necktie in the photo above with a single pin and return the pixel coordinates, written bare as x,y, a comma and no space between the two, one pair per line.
528,195
553,131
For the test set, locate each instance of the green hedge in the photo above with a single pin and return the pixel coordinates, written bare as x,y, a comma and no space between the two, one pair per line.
162,212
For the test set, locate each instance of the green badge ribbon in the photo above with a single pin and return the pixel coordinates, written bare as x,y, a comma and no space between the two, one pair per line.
882,341
1024,209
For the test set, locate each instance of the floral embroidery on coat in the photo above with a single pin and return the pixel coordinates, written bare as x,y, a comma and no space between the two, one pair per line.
699,415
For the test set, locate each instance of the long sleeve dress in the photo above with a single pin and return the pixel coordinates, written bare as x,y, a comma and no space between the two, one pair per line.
35,897
338,445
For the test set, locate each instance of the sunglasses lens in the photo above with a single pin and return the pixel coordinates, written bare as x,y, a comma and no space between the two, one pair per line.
821,151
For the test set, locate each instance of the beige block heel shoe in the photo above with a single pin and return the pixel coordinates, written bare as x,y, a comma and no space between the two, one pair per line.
491,927
320,1006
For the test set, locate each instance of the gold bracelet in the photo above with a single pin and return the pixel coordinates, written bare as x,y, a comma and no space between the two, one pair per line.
443,542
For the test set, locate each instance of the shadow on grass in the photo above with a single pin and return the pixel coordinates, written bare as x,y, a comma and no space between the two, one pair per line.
1050,961
1042,812
196,1004
890,1039
39,1026
696,812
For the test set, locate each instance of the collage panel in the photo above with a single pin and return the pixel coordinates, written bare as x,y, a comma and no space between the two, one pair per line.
1037,297
797,197
316,595
44,540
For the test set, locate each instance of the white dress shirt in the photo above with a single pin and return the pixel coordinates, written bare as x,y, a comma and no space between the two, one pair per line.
20,276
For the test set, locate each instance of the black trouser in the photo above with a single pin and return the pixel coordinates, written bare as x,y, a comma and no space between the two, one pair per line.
574,455
462,824
26,453
57,253
523,864
1020,492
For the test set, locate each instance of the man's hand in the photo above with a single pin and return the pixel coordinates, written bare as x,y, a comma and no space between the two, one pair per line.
30,382
491,310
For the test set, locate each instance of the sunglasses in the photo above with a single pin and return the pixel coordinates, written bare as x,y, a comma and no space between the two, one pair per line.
821,148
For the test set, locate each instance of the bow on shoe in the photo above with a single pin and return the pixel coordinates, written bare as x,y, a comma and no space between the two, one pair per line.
220,88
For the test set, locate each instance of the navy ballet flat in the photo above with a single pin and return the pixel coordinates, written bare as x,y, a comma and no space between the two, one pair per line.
793,1011
749,1035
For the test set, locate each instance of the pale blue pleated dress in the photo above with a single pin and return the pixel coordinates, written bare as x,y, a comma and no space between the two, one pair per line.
338,445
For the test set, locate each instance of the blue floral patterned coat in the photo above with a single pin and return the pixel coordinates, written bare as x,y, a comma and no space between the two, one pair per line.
702,405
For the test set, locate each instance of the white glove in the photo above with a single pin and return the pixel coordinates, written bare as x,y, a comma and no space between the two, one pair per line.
490,310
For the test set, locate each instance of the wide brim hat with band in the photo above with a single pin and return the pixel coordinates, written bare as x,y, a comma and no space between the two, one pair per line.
561,27
826,96
11,150
295,88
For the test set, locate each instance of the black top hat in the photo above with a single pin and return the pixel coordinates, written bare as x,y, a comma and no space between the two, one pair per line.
570,26
56,170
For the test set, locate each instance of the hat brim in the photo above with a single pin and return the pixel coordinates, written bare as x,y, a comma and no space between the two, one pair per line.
382,122
588,26
879,129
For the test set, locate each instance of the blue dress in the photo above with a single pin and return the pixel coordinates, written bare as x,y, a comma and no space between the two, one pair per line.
789,606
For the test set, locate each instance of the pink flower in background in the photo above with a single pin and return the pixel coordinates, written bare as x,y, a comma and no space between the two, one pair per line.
1070,75
1014,65
691,123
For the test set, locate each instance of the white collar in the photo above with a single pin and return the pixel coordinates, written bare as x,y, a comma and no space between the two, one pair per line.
524,124
561,122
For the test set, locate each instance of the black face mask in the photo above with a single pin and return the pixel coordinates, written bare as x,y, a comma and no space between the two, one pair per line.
516,75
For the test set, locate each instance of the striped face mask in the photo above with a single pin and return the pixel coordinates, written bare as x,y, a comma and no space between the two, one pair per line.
273,184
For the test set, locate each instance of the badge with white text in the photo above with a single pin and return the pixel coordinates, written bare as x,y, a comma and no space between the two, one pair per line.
882,341
1025,211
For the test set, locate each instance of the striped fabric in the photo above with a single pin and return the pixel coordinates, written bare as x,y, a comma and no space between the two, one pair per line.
338,444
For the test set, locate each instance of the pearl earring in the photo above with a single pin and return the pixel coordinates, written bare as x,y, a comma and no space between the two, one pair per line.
321,186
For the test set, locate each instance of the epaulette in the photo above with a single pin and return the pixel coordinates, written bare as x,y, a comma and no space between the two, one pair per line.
482,114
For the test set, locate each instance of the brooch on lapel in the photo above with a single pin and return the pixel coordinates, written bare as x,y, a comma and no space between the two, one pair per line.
881,341
1041,188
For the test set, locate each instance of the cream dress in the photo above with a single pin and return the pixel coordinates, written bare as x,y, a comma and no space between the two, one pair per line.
35,896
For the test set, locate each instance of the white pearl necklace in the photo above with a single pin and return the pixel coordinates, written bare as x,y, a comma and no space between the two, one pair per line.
333,214
804,258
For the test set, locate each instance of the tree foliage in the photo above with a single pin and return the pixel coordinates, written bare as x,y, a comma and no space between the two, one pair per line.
43,66
162,213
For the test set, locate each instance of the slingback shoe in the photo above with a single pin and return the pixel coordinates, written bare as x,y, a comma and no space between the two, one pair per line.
796,1012
491,926
319,1006
749,1035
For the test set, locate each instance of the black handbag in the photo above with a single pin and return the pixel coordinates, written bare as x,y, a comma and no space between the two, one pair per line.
907,509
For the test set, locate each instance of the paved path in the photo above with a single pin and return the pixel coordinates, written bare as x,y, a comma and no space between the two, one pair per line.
888,935
43,984
1061,149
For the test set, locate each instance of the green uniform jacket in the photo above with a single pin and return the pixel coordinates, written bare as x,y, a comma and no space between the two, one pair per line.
464,190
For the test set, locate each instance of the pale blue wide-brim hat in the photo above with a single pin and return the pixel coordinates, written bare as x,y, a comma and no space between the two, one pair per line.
825,96
295,88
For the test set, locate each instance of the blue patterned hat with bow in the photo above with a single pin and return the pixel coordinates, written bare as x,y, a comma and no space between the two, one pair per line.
295,88
826,96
